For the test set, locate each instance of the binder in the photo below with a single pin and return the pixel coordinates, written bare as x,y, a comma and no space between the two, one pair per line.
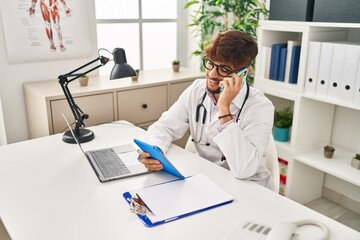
288,58
313,63
282,63
324,69
275,59
177,199
265,61
350,71
294,64
356,97
336,72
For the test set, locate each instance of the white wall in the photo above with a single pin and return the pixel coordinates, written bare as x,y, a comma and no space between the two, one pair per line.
13,76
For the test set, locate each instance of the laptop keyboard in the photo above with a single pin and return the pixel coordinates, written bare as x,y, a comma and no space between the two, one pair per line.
109,163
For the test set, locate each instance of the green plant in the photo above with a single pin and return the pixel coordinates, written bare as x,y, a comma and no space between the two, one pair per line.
283,118
329,148
212,16
137,71
357,156
176,62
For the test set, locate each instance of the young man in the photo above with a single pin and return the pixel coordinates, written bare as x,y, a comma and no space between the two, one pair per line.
231,128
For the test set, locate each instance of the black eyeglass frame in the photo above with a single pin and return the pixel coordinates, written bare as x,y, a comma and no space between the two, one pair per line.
206,60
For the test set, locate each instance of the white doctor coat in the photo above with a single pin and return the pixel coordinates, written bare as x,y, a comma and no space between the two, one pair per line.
242,144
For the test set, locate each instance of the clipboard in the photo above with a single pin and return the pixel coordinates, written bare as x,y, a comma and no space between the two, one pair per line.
177,199
155,152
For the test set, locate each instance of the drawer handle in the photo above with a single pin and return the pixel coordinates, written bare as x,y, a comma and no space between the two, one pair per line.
144,106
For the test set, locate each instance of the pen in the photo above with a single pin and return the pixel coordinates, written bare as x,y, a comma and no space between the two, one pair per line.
141,202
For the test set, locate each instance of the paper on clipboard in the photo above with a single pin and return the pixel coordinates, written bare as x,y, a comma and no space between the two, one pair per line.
181,198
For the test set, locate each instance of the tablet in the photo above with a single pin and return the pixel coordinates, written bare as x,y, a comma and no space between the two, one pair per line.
156,153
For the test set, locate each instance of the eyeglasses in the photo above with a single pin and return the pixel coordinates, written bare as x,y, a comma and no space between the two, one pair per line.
223,71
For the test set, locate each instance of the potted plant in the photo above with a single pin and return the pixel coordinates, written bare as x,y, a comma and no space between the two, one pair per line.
329,151
212,16
136,77
176,65
355,161
83,80
282,123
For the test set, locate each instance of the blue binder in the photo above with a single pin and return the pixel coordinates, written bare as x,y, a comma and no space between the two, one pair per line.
294,64
177,199
282,64
275,60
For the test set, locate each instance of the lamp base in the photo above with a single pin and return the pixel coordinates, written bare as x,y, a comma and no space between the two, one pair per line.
84,136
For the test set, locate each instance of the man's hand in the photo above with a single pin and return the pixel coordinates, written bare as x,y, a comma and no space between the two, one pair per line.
150,163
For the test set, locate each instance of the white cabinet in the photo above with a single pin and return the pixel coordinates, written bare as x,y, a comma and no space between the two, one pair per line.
99,107
142,106
140,102
317,121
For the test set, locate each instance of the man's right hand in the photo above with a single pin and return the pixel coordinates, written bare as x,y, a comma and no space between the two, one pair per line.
150,163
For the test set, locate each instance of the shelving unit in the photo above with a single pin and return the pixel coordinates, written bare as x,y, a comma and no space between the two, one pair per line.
316,121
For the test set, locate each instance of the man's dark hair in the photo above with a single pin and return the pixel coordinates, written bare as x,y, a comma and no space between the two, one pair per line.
233,48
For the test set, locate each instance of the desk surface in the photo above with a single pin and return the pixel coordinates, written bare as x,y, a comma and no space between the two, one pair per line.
48,190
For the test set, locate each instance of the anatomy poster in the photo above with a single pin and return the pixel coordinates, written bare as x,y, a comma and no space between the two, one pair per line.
45,30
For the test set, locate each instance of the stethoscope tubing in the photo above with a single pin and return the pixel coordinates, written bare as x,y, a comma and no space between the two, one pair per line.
202,106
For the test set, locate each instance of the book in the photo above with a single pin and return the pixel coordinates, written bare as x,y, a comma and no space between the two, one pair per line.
275,60
282,63
294,64
290,45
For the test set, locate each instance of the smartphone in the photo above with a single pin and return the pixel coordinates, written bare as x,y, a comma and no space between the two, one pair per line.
239,74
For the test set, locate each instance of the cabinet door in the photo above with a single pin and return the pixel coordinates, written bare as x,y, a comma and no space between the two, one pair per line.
142,105
99,107
176,89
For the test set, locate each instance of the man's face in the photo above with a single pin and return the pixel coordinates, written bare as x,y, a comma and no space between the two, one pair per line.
215,73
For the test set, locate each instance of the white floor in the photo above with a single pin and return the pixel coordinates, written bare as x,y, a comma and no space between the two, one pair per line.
336,212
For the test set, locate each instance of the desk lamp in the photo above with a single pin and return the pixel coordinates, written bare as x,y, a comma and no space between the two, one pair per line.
120,70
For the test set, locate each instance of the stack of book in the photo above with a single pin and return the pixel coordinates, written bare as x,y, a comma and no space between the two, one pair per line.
281,61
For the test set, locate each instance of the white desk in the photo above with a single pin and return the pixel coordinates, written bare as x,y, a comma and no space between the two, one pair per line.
48,190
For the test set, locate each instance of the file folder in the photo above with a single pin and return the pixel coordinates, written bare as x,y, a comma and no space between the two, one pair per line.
275,60
312,68
356,97
177,199
324,69
350,71
337,70
294,64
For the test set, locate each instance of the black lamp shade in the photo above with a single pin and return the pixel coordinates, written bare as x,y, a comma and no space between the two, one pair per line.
121,69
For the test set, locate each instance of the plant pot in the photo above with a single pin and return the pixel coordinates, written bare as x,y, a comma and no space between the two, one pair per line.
83,81
135,78
176,67
328,154
355,163
281,134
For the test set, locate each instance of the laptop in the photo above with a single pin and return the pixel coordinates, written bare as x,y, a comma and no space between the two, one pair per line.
113,163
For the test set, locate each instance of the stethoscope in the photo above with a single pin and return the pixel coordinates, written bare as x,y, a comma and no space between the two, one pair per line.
201,108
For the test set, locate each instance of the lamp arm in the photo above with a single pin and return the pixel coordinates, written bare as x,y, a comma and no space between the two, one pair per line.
64,81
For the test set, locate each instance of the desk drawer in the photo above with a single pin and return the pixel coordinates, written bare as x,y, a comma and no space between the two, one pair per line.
99,107
142,105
